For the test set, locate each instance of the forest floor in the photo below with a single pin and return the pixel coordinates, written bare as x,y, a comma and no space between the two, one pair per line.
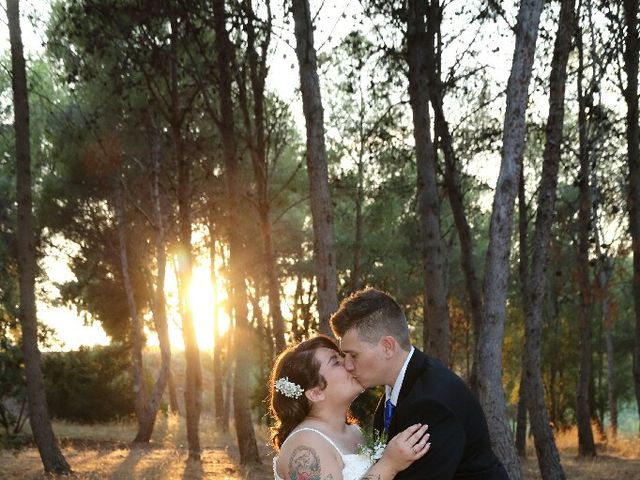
104,452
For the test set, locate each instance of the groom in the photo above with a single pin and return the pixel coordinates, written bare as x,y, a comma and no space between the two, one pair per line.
374,337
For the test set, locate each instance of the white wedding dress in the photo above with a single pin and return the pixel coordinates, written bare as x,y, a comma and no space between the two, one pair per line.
355,464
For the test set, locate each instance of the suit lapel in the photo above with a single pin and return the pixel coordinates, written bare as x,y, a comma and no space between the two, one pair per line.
414,368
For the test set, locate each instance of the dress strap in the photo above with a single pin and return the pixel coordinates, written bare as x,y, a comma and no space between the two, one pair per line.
315,431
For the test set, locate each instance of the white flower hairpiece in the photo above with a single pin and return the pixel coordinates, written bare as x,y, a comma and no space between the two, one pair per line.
287,388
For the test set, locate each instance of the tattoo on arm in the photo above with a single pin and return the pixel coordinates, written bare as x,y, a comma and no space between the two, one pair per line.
371,477
304,464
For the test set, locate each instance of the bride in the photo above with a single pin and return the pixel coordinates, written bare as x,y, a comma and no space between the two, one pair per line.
310,394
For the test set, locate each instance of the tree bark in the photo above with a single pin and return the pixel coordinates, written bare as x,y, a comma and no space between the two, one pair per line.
193,386
50,454
436,309
548,456
159,304
244,427
139,390
586,445
490,389
633,145
321,206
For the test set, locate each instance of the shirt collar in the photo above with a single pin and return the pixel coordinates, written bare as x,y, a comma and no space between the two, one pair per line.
393,393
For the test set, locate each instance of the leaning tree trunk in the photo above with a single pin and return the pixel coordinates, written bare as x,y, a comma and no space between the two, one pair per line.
523,270
193,387
436,309
244,427
321,212
258,143
631,49
139,390
159,303
490,390
586,445
452,175
50,454
548,456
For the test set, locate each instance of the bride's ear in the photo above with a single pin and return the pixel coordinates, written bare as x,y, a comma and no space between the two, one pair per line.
315,394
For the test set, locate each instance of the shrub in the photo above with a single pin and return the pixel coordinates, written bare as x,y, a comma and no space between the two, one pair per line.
89,385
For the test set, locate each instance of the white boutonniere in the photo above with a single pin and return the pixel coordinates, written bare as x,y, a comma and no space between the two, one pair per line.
373,445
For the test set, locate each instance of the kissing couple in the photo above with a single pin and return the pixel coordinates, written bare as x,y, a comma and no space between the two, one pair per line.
434,425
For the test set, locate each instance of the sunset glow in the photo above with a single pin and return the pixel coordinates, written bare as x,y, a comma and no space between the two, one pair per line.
202,308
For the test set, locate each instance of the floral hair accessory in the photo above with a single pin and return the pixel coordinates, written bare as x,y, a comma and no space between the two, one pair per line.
287,388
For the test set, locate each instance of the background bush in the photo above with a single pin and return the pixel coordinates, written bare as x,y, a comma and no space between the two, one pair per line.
89,385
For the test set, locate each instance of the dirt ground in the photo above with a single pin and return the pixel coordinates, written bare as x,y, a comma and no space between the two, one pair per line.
104,452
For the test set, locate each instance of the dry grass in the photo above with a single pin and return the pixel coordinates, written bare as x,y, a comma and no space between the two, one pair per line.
104,452
615,460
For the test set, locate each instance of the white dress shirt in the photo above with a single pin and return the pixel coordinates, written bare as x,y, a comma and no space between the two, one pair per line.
393,393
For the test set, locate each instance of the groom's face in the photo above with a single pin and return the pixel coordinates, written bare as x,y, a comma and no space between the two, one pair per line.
364,360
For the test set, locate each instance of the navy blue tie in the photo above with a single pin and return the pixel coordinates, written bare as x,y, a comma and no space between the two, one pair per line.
389,407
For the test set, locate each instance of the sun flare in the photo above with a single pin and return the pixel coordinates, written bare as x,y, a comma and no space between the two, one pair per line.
201,302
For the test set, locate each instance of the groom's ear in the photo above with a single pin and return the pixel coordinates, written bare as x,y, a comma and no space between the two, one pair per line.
389,346
315,394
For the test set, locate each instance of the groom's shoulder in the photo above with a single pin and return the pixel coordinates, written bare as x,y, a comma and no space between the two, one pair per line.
435,375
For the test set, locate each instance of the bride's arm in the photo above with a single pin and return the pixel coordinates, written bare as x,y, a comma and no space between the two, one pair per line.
401,451
309,457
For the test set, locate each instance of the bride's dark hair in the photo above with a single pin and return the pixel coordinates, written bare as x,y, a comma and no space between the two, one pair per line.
299,365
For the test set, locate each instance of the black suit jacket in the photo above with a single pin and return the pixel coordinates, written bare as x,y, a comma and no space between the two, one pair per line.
460,446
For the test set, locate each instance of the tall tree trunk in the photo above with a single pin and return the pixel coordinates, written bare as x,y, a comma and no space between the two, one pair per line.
258,145
608,320
548,456
218,395
50,454
244,427
356,273
491,392
174,404
556,365
139,390
321,211
631,49
193,387
523,270
586,445
436,309
159,303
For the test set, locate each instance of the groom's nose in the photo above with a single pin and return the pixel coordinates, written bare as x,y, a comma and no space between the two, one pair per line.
348,363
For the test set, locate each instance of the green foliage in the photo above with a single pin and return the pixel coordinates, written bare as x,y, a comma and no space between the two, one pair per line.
89,385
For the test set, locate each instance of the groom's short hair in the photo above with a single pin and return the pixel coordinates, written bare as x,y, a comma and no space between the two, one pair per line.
373,314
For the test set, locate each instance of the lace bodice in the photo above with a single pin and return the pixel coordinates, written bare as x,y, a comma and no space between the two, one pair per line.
355,465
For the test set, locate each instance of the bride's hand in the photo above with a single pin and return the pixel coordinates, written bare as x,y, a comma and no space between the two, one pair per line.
406,447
